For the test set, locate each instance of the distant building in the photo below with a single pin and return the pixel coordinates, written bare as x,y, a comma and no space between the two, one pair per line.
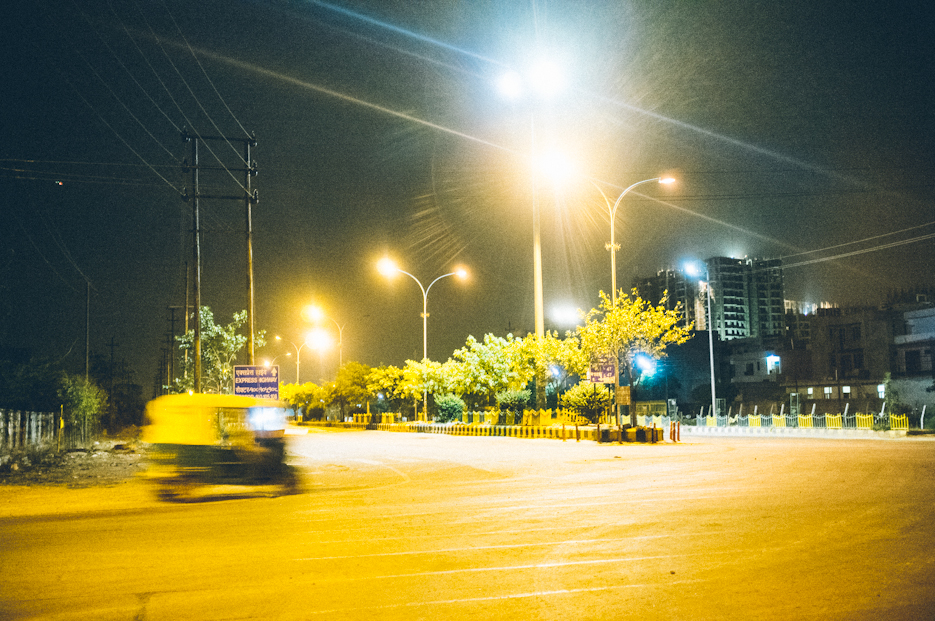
747,296
681,289
914,343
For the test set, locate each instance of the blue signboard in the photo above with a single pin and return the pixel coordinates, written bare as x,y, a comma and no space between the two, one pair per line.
260,382
603,371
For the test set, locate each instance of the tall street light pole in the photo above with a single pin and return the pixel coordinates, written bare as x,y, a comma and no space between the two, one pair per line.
613,246
388,268
693,270
711,346
545,80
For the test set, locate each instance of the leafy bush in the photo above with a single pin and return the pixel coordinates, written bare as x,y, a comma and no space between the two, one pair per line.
588,400
513,400
450,407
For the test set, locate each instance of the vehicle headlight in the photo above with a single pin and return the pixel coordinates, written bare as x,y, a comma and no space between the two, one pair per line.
267,419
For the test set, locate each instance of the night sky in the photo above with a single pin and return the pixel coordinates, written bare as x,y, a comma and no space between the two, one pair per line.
796,129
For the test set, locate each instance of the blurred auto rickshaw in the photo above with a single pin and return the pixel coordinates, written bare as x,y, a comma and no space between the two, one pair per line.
197,440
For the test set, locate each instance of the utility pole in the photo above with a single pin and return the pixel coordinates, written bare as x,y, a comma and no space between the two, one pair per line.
250,198
110,379
87,333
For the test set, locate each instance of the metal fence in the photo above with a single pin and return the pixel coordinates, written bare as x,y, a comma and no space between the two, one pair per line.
807,421
24,430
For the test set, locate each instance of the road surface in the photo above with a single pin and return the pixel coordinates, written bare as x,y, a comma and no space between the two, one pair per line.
424,526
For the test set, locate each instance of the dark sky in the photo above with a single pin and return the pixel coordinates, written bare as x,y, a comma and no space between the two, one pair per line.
798,129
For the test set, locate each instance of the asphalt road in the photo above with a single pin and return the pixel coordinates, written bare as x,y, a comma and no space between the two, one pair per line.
418,526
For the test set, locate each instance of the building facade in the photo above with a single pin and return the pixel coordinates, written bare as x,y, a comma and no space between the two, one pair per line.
747,296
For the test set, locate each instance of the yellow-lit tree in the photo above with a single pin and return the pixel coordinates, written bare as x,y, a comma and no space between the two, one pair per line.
630,327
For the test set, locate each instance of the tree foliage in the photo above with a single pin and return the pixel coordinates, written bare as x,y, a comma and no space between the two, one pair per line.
479,370
450,407
388,381
513,400
31,386
308,399
588,400
219,348
350,390
83,400
630,327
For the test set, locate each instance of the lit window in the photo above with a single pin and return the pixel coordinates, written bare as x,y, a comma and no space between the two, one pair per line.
846,390
881,391
811,391
827,392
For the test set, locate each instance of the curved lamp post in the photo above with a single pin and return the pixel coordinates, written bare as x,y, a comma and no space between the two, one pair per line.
269,363
388,268
298,355
613,246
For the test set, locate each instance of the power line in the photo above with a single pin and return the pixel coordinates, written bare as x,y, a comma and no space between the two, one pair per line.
863,251
860,241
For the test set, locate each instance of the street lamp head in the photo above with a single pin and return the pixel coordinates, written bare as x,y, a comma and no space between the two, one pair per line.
694,269
510,85
387,267
555,166
319,339
547,78
313,313
544,77
461,273
666,180
278,338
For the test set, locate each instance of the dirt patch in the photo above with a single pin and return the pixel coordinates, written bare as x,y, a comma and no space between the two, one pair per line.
105,463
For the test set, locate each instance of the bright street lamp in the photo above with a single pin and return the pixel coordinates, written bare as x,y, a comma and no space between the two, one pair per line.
319,339
315,313
546,79
613,246
388,268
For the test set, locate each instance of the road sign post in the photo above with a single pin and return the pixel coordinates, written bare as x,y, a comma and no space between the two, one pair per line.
256,381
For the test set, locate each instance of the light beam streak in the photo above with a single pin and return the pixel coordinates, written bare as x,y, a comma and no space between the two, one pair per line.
346,98
375,22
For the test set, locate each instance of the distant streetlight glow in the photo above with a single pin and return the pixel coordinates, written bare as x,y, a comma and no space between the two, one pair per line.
319,339
646,364
565,316
317,315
